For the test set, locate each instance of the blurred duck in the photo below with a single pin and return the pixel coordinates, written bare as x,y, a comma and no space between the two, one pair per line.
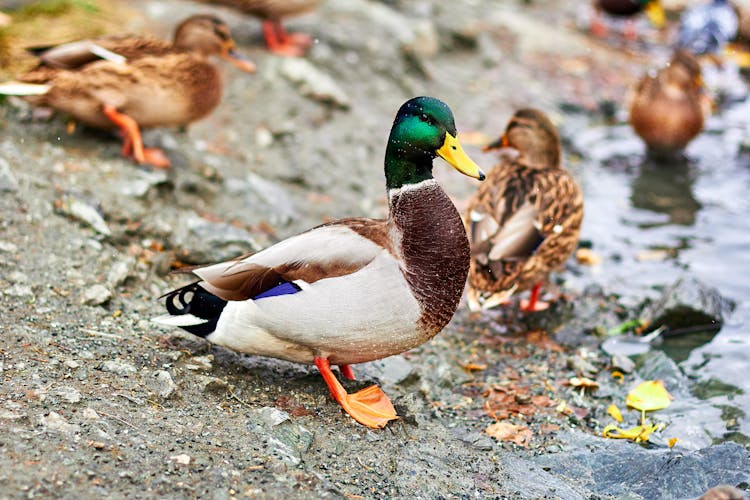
706,28
525,219
353,290
668,110
272,12
626,9
130,82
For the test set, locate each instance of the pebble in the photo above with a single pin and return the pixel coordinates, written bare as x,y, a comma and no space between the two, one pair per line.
96,295
201,362
162,384
20,291
8,181
119,272
83,212
313,82
200,240
118,367
69,363
67,394
56,422
211,384
90,414
8,247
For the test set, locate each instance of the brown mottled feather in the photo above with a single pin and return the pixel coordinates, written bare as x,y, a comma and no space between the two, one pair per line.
667,111
525,197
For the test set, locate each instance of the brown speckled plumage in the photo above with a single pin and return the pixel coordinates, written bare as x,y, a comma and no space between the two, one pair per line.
435,251
525,219
667,110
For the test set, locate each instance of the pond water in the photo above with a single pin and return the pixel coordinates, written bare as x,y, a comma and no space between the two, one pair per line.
655,221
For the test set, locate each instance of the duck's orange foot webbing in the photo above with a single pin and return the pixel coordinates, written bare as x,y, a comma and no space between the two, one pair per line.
370,406
132,142
282,43
534,304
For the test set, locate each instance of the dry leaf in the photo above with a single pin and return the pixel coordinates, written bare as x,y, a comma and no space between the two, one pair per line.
587,257
672,441
504,431
649,396
614,412
583,382
638,433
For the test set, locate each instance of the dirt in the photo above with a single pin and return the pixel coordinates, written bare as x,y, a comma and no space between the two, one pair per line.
97,400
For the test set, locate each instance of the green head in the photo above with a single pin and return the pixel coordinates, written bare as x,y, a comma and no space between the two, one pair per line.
423,129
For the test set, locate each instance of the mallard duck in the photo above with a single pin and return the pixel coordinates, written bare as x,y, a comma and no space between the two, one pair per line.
524,221
353,290
667,110
272,12
626,9
141,82
706,28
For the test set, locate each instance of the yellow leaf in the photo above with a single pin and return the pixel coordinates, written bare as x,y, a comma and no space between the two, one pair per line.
671,442
614,412
638,433
649,396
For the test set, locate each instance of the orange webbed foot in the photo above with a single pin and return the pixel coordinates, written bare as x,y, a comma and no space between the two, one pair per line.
533,304
370,406
156,158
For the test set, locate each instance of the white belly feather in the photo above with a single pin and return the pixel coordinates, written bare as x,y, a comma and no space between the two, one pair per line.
363,316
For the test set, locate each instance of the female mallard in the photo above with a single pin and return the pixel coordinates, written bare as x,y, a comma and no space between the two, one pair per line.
353,290
141,83
626,9
524,221
667,110
272,12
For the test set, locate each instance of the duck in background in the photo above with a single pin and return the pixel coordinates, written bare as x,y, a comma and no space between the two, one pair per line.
524,221
353,290
130,82
272,12
667,110
625,9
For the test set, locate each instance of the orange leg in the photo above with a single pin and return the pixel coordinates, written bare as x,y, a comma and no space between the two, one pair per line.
282,43
370,406
534,304
132,145
347,372
597,26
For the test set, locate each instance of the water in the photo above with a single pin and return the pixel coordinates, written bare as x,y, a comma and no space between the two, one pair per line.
654,222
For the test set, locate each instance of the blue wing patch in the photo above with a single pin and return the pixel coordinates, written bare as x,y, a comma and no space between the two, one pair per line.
285,288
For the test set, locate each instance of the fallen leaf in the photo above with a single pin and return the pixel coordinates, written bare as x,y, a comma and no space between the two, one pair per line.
505,431
614,412
541,339
672,441
587,257
639,433
473,367
648,396
583,382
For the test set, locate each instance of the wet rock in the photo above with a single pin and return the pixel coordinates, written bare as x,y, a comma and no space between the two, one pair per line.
67,394
118,367
199,240
96,295
139,186
687,306
57,423
90,414
623,363
83,212
69,363
162,385
312,81
617,469
8,181
285,439
201,362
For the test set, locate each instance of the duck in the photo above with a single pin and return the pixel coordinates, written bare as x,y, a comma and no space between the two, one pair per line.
626,9
129,82
352,290
667,110
272,12
524,221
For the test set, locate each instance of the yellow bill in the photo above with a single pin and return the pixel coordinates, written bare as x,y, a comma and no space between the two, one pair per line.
655,14
452,152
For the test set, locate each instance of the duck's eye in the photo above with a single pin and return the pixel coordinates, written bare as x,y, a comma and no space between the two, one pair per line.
423,117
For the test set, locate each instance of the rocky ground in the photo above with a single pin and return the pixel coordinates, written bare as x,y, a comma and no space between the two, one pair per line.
97,400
